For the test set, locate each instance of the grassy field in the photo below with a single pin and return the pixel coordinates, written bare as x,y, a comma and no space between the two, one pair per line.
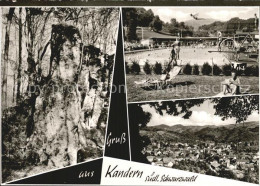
185,86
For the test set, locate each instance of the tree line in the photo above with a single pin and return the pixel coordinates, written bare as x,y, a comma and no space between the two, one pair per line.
140,17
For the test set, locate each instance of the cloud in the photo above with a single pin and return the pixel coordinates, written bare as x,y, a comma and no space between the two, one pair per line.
224,14
254,116
204,118
218,13
228,13
198,117
166,14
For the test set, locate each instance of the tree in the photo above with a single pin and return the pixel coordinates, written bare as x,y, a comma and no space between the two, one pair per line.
236,107
144,17
18,95
6,56
130,21
156,24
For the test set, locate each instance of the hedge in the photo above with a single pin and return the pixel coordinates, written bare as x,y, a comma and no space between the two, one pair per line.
135,68
206,69
196,69
226,70
187,69
147,68
157,68
216,70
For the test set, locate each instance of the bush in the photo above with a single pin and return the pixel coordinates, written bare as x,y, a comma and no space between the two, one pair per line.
157,68
127,68
187,69
248,71
255,71
226,69
206,69
147,68
196,69
216,70
135,68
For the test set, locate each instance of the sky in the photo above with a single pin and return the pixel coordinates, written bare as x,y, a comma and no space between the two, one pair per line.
201,115
218,13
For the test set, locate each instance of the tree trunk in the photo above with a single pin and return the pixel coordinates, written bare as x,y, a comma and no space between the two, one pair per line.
31,69
6,57
18,96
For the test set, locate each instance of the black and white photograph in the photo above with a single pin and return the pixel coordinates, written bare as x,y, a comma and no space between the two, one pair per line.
213,136
57,65
190,52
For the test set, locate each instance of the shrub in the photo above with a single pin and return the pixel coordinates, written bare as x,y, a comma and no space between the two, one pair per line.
248,71
157,68
206,69
196,69
147,68
187,69
255,70
226,69
127,68
135,68
216,70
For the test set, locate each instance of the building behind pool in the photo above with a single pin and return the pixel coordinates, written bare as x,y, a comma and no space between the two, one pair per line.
150,38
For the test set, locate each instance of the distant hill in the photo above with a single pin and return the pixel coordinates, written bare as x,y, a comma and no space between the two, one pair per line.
230,26
148,33
197,23
227,133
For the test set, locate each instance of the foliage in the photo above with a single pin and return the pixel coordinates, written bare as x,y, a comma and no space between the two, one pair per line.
135,68
187,69
156,24
196,70
206,69
147,68
127,68
226,69
227,174
216,70
255,70
236,107
229,27
144,17
130,20
248,71
157,68
175,28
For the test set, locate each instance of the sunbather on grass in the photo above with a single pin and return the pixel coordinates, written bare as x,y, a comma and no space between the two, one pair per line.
231,85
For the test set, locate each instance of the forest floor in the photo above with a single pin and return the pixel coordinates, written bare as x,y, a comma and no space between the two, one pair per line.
31,170
185,86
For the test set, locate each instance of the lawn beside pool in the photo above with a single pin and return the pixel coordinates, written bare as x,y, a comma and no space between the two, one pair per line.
185,86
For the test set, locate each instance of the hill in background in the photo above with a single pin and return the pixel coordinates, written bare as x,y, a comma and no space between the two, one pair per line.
180,133
197,23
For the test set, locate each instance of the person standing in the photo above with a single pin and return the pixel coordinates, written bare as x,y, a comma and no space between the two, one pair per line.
173,56
178,49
